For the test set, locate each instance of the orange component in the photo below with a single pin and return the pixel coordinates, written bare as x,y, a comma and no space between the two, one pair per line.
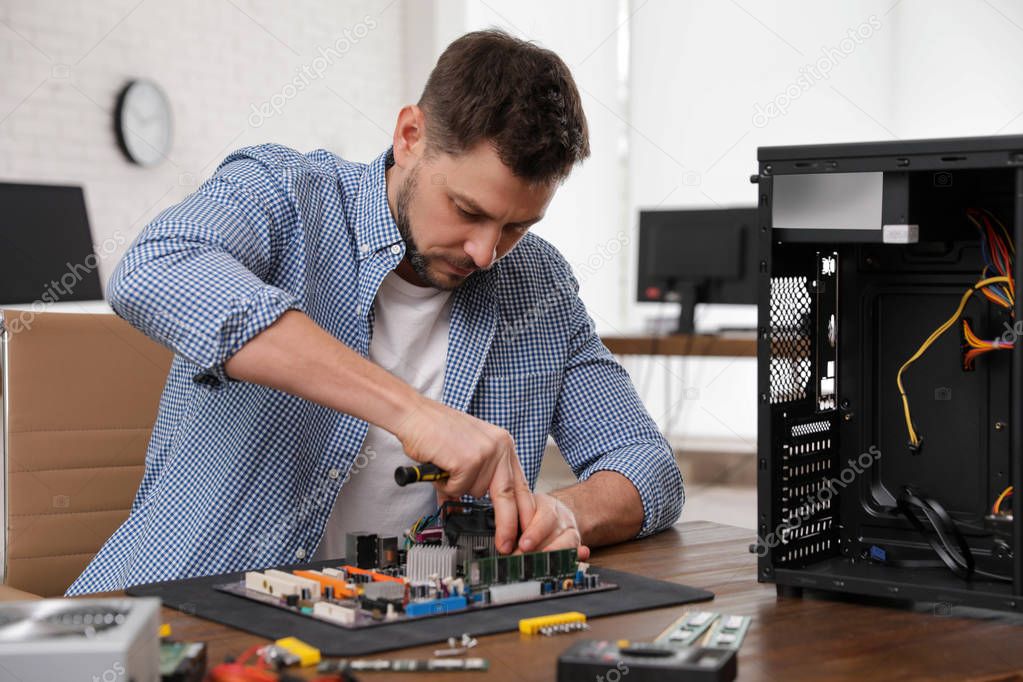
377,577
341,588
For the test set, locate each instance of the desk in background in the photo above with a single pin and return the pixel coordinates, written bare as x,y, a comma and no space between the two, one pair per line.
729,345
661,349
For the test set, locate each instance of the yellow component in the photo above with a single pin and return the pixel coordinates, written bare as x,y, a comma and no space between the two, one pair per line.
165,630
623,643
531,626
307,655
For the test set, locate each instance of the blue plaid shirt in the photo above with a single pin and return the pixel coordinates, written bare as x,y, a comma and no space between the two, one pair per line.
239,475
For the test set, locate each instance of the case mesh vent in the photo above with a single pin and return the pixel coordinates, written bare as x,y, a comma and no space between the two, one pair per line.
790,338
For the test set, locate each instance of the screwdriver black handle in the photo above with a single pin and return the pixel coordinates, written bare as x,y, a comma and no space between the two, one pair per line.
403,476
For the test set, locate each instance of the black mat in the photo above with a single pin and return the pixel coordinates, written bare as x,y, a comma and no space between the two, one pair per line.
196,596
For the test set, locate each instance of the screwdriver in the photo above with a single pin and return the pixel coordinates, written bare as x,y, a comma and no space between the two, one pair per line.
420,472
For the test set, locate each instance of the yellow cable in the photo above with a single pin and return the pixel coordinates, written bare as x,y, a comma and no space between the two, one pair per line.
972,339
1001,498
913,437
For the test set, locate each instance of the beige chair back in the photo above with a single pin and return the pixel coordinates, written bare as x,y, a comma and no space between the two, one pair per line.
80,395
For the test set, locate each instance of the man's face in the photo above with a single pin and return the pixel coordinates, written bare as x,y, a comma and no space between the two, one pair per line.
461,214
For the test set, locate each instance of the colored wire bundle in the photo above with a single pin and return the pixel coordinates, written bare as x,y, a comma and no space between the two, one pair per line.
421,523
999,252
978,346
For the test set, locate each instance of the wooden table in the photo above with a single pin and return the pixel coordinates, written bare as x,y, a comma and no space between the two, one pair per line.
810,638
732,345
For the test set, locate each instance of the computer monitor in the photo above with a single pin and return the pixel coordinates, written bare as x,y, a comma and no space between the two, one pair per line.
45,240
697,256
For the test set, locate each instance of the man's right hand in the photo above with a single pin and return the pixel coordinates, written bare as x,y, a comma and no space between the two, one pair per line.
296,355
479,457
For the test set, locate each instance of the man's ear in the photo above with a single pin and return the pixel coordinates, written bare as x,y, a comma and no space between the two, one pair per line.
409,137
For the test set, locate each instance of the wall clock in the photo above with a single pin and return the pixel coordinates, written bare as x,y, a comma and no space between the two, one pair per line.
142,120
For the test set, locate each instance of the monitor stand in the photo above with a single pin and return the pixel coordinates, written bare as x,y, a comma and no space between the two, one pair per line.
686,293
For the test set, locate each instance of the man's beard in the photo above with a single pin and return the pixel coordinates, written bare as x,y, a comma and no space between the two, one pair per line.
420,263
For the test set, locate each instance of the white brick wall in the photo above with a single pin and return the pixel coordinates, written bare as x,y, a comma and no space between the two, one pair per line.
62,64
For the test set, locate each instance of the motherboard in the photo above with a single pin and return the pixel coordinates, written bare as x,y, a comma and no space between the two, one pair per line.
445,563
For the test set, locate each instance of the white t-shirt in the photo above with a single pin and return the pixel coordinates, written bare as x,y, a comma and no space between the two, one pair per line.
410,340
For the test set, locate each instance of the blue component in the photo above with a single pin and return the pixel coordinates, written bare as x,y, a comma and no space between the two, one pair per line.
580,579
878,553
434,606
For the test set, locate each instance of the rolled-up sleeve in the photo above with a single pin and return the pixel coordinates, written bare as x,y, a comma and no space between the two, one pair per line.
600,424
198,278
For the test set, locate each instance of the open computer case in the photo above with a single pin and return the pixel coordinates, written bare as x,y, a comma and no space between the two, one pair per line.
890,370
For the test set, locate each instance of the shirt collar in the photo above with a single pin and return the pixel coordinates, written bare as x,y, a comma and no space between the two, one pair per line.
374,225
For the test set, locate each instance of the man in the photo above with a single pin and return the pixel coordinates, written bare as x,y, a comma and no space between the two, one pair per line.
332,320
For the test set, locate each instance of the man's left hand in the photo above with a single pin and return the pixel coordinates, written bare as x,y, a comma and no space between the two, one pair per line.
548,525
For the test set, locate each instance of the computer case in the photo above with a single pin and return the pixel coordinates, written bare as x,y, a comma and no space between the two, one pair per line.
865,250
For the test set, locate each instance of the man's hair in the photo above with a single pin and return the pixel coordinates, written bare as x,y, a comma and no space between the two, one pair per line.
521,98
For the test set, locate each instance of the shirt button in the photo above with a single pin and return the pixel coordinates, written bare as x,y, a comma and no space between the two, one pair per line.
395,249
358,310
364,248
300,553
334,473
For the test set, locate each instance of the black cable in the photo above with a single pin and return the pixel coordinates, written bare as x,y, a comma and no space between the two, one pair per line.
959,558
